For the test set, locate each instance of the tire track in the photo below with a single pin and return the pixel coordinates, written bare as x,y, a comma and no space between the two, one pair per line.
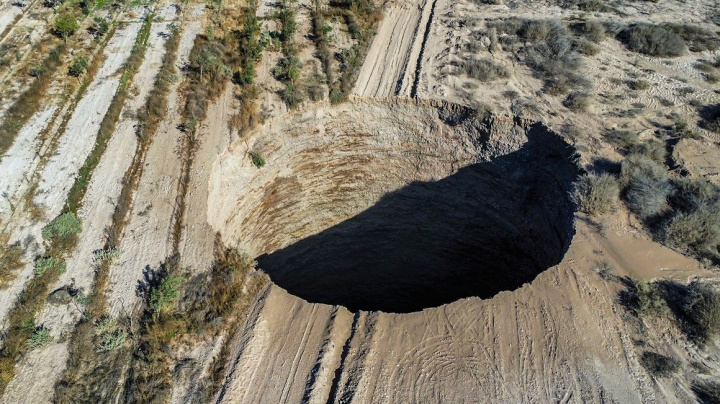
418,64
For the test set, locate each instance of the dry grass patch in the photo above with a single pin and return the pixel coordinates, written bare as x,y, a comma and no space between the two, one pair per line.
10,260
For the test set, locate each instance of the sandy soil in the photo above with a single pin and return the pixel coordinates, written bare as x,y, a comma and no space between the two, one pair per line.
393,55
539,343
147,240
198,237
58,174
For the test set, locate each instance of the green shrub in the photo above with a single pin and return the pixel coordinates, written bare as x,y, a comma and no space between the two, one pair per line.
592,5
652,40
622,139
291,95
586,47
596,194
78,67
99,28
109,334
659,365
163,297
593,30
484,69
257,159
49,263
39,338
549,50
695,225
37,70
287,69
63,226
108,255
66,25
644,298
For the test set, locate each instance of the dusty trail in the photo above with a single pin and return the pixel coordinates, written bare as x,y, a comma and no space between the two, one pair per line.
282,354
394,57
198,237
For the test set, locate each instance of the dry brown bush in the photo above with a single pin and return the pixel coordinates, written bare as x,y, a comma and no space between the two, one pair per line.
596,194
652,40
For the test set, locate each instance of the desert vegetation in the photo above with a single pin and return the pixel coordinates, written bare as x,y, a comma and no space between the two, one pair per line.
22,333
667,40
695,307
10,260
596,194
548,47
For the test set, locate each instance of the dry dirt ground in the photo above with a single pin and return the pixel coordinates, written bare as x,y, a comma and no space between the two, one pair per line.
372,216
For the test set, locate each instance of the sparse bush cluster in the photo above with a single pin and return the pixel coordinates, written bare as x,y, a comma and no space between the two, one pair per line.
174,308
696,38
484,69
681,213
209,74
549,48
361,18
695,306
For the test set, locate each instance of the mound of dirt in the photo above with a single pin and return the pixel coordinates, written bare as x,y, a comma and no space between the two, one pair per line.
397,206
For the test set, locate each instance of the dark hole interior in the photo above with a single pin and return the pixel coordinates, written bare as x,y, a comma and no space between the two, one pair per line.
490,227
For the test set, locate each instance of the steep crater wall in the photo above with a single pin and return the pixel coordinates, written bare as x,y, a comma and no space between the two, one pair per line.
397,206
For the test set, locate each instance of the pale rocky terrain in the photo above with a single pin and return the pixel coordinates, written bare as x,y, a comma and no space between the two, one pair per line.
416,242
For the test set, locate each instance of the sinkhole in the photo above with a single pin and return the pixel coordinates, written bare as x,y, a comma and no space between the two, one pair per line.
397,206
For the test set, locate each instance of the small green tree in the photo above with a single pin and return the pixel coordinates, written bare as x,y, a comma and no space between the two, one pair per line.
66,25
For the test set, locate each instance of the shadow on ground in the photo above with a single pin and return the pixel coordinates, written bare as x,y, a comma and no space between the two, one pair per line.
490,227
